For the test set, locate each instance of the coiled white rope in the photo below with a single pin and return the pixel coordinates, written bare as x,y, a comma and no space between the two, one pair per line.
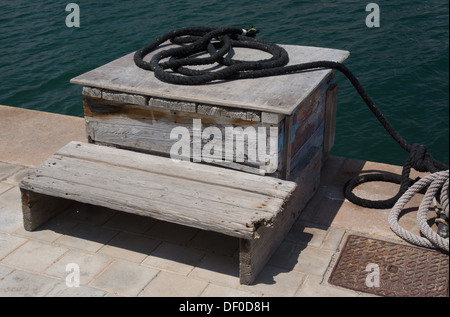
436,182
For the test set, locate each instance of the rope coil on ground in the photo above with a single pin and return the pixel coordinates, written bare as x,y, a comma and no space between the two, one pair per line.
436,182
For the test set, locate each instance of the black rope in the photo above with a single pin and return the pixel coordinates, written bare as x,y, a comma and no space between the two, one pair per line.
218,42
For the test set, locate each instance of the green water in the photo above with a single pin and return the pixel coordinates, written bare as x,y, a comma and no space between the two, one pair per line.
403,64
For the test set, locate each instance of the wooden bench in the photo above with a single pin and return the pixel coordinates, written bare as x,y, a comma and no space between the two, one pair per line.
256,209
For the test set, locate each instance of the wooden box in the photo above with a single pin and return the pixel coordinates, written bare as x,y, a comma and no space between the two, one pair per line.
129,108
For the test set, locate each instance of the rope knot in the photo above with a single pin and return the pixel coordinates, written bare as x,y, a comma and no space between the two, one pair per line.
418,157
250,32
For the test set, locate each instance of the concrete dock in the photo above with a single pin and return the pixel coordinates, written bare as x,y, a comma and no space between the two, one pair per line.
122,254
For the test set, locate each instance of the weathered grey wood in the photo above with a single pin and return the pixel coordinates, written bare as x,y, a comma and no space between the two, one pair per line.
330,119
287,147
241,167
272,118
172,104
155,139
155,164
156,187
254,208
280,94
149,130
254,253
125,97
92,92
38,209
128,107
253,115
222,112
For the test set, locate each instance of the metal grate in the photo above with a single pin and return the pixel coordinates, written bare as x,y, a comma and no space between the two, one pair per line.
390,269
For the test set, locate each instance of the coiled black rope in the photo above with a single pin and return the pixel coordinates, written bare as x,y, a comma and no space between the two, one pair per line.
218,42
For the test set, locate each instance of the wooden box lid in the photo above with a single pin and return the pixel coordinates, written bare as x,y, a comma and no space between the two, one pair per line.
277,94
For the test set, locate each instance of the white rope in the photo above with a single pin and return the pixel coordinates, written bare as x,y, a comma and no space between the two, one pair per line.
431,239
444,198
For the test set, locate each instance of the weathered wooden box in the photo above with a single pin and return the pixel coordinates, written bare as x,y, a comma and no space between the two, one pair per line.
280,126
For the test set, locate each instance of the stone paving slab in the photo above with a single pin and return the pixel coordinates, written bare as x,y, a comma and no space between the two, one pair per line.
8,170
218,269
61,290
130,247
10,220
124,278
86,237
174,258
162,286
276,282
90,265
40,134
24,284
34,256
9,243
213,290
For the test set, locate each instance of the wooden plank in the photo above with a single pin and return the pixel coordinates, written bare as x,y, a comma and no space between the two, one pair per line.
54,188
140,183
125,97
172,105
205,173
272,118
287,146
92,92
242,167
37,208
163,209
330,118
280,94
309,116
254,253
201,203
149,130
302,158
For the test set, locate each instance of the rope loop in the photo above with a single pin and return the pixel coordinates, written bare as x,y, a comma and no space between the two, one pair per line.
436,182
418,157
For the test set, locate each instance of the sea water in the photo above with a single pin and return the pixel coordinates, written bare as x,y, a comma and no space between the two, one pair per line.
399,52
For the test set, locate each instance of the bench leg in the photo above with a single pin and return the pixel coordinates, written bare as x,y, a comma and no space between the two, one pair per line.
38,208
254,253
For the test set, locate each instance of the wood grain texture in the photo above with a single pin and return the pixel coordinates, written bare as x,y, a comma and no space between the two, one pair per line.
330,118
149,129
254,253
196,195
38,209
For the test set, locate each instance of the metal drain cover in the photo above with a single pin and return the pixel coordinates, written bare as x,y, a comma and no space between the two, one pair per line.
390,269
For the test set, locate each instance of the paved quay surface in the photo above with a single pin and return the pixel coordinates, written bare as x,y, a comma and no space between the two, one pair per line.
121,254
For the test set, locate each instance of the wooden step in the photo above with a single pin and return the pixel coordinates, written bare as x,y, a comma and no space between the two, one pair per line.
234,203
